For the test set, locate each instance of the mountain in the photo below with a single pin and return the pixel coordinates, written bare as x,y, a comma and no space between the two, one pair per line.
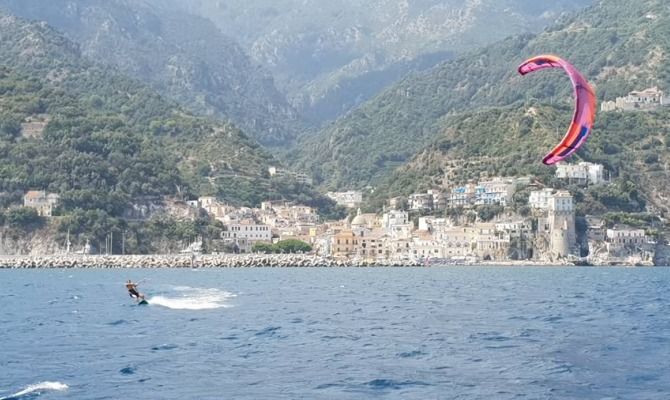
325,54
620,46
105,142
87,112
184,57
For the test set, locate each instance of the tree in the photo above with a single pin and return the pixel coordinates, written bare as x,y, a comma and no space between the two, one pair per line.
23,217
265,248
293,246
284,246
487,213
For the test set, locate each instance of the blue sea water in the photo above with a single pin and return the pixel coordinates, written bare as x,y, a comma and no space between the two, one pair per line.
403,333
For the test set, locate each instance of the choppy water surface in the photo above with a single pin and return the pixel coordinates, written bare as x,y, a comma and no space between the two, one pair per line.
434,333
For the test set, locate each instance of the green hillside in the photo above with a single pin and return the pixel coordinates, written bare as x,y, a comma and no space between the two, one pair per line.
619,45
91,111
510,141
181,56
104,141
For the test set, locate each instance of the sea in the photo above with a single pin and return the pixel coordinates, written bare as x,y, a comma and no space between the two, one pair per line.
328,333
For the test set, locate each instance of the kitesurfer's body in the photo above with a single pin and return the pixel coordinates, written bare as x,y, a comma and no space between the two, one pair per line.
132,290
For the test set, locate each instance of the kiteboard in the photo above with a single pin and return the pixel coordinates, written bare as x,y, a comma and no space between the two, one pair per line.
142,302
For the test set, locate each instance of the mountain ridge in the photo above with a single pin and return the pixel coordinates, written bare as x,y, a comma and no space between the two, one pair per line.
389,130
319,51
184,57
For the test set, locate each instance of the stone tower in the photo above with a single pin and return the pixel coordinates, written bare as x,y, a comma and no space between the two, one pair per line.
561,219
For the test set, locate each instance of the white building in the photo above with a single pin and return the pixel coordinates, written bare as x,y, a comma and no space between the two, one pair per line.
245,234
647,99
539,199
584,173
491,244
497,191
431,224
426,247
394,218
456,241
350,199
515,229
623,235
462,196
624,241
396,224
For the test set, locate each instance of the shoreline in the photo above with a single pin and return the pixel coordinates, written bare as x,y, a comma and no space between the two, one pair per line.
189,261
230,261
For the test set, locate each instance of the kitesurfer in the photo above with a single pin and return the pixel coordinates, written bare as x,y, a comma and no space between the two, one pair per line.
132,290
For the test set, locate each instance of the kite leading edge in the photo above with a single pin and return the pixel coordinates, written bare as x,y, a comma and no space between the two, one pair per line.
585,106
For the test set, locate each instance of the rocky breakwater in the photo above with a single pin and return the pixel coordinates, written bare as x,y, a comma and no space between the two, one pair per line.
189,261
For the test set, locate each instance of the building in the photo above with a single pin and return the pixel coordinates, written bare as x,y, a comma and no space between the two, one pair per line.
394,218
344,243
295,214
431,224
33,126
625,236
397,203
584,173
457,242
424,246
515,229
595,229
421,202
350,199
490,243
539,199
561,221
299,177
440,199
206,201
623,241
516,238
370,244
212,206
648,99
398,248
41,201
367,220
244,234
462,196
497,191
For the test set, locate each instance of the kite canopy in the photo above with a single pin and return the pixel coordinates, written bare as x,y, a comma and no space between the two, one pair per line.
585,106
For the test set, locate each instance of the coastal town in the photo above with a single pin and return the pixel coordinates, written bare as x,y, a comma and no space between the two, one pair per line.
498,220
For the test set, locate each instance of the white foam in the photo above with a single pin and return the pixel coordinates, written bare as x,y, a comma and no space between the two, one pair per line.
38,387
194,299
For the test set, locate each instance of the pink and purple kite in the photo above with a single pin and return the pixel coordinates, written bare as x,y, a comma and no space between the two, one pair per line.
585,106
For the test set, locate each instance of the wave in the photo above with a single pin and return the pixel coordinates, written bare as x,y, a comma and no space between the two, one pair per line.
37,389
193,299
